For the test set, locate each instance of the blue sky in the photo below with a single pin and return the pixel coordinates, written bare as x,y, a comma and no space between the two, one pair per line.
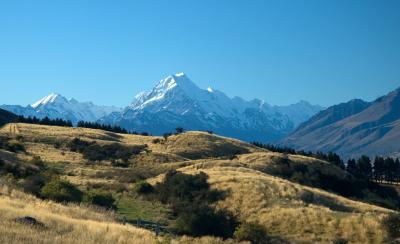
324,52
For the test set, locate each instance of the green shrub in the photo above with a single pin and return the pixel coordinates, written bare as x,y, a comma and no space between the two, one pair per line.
95,152
61,191
17,169
251,232
201,220
391,224
339,240
143,187
156,141
37,161
190,198
33,184
100,198
120,164
15,146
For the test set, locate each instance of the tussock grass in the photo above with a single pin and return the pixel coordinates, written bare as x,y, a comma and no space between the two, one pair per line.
278,205
295,212
63,224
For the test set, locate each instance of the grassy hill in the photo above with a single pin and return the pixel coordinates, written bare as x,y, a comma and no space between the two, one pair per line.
280,192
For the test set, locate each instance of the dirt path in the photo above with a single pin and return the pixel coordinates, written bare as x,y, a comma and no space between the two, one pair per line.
14,129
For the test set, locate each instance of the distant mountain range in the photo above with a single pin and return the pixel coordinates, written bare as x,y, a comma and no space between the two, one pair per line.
177,102
349,129
56,106
353,128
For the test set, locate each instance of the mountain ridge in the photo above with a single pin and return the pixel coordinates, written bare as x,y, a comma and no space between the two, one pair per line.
181,103
176,101
353,128
56,106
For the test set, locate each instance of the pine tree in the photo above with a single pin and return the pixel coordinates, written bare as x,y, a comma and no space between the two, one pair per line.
351,167
364,167
378,168
389,169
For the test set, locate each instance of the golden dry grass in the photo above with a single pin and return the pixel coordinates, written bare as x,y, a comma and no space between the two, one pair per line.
72,224
277,204
63,224
197,145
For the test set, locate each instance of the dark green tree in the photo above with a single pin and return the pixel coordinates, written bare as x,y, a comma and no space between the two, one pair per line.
379,168
364,167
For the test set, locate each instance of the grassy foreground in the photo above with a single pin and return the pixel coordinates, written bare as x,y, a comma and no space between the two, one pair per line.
288,210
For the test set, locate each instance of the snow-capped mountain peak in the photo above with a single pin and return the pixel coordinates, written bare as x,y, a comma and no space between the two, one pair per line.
177,101
178,84
56,106
51,98
179,80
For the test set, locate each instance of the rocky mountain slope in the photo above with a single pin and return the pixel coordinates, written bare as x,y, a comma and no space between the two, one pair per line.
353,128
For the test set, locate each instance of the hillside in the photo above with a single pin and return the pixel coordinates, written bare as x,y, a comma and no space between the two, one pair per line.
353,129
257,183
6,117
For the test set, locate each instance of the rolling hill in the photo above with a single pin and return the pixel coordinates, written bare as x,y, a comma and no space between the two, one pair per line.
257,188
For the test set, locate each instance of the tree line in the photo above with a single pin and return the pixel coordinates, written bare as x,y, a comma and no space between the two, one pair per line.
111,128
381,169
83,124
45,121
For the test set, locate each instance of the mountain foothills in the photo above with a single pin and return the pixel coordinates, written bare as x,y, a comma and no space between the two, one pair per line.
353,128
177,102
56,106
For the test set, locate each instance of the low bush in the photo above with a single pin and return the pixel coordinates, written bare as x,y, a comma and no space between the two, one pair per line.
202,220
340,240
143,187
166,135
156,141
17,169
14,146
99,198
190,198
391,224
33,184
95,152
61,191
119,164
37,161
252,232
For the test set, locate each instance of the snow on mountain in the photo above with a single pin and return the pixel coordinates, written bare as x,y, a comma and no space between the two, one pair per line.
177,101
56,106
52,98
